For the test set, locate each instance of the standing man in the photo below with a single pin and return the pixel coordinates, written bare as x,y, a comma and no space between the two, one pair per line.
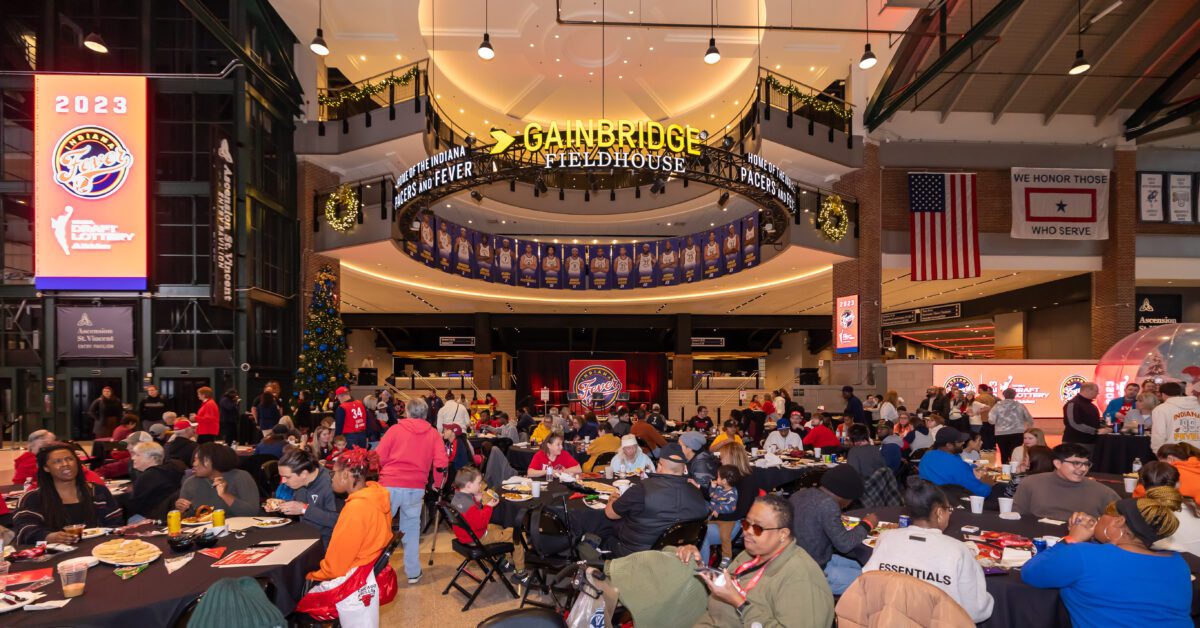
1081,417
1011,418
854,406
1176,419
350,419
151,409
409,451
1116,409
231,413
453,412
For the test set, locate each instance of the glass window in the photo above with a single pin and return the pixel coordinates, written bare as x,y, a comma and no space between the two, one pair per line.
182,240
190,332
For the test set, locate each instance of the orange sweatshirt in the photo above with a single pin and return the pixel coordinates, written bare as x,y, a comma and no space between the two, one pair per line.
1189,479
362,531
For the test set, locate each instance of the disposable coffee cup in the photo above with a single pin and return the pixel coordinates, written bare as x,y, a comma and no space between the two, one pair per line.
1005,504
976,504
1130,484
1006,469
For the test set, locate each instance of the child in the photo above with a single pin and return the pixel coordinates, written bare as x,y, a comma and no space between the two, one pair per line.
476,510
339,446
723,501
970,452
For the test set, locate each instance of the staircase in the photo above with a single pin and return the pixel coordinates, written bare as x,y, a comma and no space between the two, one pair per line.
683,403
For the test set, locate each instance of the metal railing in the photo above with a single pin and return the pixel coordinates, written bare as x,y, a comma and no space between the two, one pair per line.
754,377
817,106
398,85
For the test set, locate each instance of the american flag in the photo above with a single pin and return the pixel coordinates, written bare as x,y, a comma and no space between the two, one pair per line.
944,227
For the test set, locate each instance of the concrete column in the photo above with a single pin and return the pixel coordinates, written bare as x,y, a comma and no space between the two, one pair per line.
863,276
681,365
1114,285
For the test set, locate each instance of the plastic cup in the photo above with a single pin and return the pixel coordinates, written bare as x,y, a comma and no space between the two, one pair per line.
608,472
75,530
4,564
1130,484
1006,469
1005,504
976,504
536,489
817,452
73,576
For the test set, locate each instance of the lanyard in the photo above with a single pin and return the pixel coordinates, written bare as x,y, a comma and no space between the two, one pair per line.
753,565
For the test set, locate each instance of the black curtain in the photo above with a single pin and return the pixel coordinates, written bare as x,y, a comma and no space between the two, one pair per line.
645,375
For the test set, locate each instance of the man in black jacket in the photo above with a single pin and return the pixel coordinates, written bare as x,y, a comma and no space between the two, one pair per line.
157,483
151,408
648,509
1081,417
183,443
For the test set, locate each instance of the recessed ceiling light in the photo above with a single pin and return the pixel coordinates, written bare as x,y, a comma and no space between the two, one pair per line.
470,222
712,115
631,11
625,61
447,205
557,60
556,36
362,57
777,66
503,222
627,38
668,224
812,68
462,110
620,76
486,122
575,241
591,73
559,76
398,57
651,48
531,45
438,96
735,102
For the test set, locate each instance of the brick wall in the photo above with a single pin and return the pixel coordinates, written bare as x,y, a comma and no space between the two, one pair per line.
310,178
1114,285
864,276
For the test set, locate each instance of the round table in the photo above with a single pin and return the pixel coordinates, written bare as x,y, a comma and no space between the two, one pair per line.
582,518
771,478
519,456
1114,453
153,598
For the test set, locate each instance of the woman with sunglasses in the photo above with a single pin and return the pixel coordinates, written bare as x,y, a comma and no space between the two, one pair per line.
772,583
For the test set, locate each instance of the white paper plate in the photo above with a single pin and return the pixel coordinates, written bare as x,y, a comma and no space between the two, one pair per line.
1010,516
524,498
267,524
25,597
92,533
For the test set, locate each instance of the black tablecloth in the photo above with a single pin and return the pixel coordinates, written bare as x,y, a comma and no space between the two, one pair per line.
153,598
775,477
520,457
583,518
1114,453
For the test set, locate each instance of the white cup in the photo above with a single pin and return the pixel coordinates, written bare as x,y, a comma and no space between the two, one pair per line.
1005,504
817,452
608,472
1006,469
1130,484
536,489
754,451
976,504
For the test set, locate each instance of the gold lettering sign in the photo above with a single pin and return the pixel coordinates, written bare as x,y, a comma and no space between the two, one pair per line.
585,135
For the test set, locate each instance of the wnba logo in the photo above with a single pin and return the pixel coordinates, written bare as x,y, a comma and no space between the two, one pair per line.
597,379
91,162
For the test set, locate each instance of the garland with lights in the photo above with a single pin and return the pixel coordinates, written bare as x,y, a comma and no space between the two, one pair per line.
833,220
807,99
356,93
323,348
341,209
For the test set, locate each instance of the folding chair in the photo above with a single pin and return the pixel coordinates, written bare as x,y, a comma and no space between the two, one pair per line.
485,555
682,533
603,460
548,547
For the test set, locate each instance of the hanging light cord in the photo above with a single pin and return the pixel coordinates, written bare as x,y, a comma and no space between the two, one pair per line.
867,16
1079,23
603,57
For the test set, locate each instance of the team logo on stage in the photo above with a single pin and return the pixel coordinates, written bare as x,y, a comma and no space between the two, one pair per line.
597,379
91,162
961,382
1070,387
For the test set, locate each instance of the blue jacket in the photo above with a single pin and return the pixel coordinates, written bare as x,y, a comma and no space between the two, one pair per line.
1113,407
944,468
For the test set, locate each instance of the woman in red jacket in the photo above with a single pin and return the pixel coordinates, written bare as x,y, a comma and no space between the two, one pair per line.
820,435
208,417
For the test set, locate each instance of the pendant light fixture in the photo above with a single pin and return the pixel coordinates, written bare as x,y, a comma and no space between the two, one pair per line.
318,43
1081,65
868,59
712,55
486,51
95,43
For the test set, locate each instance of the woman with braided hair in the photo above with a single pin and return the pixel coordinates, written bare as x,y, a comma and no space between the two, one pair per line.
1120,542
348,588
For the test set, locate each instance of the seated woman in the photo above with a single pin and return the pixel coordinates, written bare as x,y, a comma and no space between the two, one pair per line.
128,426
1037,459
922,548
312,496
1160,592
631,458
321,444
217,483
346,580
63,498
551,457
275,442
458,448
1033,437
729,434
1187,537
820,434
157,480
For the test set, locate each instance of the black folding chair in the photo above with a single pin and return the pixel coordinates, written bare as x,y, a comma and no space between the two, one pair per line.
603,459
486,556
525,618
682,533
548,547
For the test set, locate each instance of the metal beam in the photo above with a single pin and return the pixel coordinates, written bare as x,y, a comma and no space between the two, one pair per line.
880,110
1066,23
1164,95
1190,129
1178,36
1181,111
961,87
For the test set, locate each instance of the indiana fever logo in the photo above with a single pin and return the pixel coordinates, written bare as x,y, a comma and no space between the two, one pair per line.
961,382
1070,386
597,379
91,162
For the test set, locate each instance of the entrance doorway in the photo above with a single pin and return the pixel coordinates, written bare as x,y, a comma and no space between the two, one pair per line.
85,390
180,393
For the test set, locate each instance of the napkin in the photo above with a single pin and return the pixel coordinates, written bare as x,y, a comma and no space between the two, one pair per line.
174,563
1013,557
48,605
1053,522
214,552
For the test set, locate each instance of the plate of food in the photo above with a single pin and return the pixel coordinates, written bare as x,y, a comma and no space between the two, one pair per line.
126,552
272,504
14,600
91,533
516,497
266,523
197,519
601,487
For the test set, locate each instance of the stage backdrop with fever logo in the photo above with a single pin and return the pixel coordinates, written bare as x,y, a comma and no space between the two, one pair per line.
605,377
1042,388
642,375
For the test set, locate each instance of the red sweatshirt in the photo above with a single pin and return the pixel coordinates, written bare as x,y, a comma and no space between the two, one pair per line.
407,451
821,436
25,466
208,419
475,514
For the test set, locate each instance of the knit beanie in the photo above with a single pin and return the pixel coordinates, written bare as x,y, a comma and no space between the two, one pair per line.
236,603
843,481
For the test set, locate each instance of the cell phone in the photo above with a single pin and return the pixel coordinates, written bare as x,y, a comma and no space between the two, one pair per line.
995,571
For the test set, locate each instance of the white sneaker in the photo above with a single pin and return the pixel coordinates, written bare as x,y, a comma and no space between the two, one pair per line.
416,579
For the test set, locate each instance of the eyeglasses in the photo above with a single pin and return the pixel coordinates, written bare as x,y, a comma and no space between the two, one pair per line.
1085,464
754,528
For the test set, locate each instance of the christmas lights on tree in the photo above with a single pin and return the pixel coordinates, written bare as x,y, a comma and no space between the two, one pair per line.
323,345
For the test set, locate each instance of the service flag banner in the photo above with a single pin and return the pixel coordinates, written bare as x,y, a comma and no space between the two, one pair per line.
1059,204
944,226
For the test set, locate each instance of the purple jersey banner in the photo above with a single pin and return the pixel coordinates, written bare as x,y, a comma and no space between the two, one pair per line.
575,267
600,267
527,265
504,260
711,251
668,262
446,231
750,241
551,266
425,241
646,262
622,264
690,259
464,253
485,252
731,247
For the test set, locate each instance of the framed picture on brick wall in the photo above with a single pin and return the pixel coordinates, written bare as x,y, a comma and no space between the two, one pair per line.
1181,198
1150,197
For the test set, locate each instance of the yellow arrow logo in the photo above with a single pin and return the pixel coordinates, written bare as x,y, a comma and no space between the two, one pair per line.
503,141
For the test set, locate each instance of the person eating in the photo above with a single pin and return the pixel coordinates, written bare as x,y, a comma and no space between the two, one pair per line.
817,525
63,498
1067,490
543,430
157,480
1033,437
630,459
217,483
864,456
551,457
701,421
650,507
312,499
820,434
783,438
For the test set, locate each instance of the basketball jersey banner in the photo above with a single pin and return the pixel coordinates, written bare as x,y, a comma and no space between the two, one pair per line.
91,170
646,264
485,254
575,268
426,242
713,259
731,247
603,377
505,261
600,267
668,262
1059,204
690,258
750,241
463,253
551,267
622,267
444,252
527,265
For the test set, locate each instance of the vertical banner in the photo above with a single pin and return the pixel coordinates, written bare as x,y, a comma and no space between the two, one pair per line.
223,196
427,244
551,266
464,246
600,267
690,260
712,254
91,165
1059,204
622,267
575,268
445,244
647,261
731,246
484,254
506,261
1181,209
750,241
668,262
1150,197
527,264
845,323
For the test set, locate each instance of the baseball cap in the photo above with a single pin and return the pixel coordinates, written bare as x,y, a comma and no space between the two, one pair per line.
453,427
342,390
183,424
692,440
783,424
672,452
158,429
949,435
629,440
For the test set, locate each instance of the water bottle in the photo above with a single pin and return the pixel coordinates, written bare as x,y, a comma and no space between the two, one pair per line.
1137,465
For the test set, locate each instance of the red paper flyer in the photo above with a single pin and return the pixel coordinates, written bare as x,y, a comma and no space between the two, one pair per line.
24,577
244,557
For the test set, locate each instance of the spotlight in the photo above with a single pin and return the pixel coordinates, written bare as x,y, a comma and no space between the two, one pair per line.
318,43
1081,65
512,185
345,125
637,192
477,196
724,199
727,143
95,43
712,55
486,51
367,119
469,141
541,185
868,59
321,128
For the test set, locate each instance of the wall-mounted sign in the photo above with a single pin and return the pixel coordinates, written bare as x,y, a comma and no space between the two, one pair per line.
598,383
1059,204
456,341
845,324
707,342
899,317
1150,197
1158,309
1181,207
223,198
90,181
1041,388
940,312
95,332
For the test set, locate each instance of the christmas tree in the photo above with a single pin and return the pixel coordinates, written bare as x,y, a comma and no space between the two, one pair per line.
323,348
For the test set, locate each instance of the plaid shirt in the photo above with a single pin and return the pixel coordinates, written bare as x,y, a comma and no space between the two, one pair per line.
881,490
